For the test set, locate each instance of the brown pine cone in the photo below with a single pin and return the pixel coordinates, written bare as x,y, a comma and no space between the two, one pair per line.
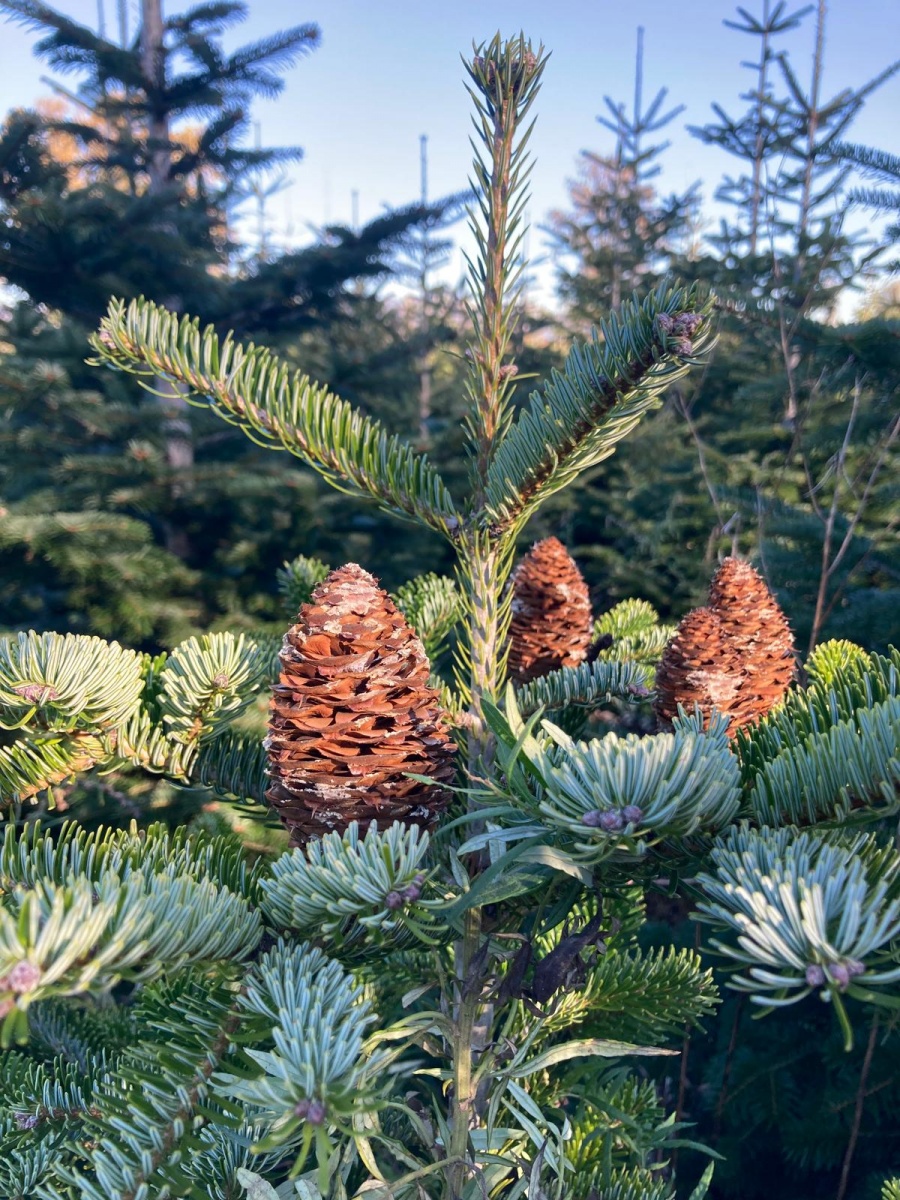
759,631
736,654
699,666
352,713
551,613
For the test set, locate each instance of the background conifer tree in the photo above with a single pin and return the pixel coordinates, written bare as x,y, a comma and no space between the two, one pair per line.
132,187
621,234
787,446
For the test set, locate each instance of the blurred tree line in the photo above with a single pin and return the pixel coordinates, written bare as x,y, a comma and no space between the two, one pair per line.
786,448
139,516
134,515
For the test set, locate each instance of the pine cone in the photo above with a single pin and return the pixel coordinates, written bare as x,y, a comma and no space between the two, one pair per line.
698,667
736,654
551,613
758,629
352,713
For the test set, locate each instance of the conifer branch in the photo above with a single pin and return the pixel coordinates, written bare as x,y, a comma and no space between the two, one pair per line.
31,766
152,1097
276,406
616,795
586,685
640,996
234,765
607,386
433,606
850,770
807,913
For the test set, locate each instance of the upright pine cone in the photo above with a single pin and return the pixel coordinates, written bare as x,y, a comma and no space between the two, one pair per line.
352,713
735,655
551,613
698,667
759,631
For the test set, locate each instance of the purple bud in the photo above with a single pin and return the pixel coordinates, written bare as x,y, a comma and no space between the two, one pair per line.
840,974
855,967
687,323
610,820
301,1109
316,1112
685,347
24,977
36,693
632,814
26,1120
393,900
413,892
220,681
815,976
665,322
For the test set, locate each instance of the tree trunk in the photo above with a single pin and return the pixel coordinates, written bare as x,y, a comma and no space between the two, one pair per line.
176,427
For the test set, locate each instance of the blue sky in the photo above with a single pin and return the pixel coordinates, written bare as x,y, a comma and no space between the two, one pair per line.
388,71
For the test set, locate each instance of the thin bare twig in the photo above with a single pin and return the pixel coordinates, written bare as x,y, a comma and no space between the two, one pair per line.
726,1072
858,1111
721,523
826,571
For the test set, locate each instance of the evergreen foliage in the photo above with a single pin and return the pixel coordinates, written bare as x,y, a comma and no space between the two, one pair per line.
388,1013
621,235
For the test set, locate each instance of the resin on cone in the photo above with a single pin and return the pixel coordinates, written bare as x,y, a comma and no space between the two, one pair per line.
697,669
551,622
352,713
735,655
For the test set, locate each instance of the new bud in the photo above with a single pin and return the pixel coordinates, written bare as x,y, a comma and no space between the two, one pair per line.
840,973
24,977
610,820
815,976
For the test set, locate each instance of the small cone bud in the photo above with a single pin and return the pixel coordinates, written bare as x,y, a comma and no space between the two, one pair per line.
352,714
551,623
735,655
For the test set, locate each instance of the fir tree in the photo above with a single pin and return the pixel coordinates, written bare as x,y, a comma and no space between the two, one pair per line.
621,234
133,191
785,448
394,1013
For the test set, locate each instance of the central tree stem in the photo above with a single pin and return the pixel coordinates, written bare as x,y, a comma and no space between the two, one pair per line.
469,985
